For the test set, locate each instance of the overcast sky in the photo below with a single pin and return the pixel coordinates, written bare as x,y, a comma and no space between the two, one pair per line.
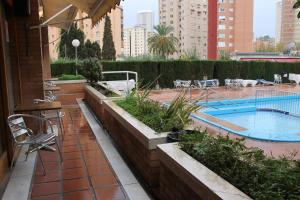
264,14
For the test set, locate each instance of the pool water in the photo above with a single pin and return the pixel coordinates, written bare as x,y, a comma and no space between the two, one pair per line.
261,125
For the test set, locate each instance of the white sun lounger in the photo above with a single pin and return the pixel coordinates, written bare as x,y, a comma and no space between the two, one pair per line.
295,78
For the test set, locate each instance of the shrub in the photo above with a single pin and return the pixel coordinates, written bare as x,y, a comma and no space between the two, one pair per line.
157,117
246,168
184,70
65,66
91,69
71,77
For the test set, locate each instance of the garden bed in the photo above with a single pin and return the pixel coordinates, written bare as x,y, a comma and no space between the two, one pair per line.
137,142
193,180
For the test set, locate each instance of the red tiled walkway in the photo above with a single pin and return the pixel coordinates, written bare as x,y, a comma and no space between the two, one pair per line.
85,172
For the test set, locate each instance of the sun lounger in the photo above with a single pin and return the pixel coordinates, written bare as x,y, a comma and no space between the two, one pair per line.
246,83
182,84
207,83
264,82
295,78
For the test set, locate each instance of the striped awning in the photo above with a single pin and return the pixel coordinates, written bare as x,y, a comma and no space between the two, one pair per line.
96,9
58,13
61,13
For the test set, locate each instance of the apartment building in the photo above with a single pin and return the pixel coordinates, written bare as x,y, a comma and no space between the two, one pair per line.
290,24
189,20
135,41
278,22
235,26
145,19
93,33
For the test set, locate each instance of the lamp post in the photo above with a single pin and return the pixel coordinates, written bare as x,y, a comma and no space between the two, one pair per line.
76,43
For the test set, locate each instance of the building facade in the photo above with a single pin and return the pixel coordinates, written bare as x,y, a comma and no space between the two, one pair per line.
278,21
189,20
135,41
265,43
290,24
146,19
235,26
94,34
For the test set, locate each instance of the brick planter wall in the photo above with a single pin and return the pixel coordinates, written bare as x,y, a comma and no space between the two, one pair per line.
182,177
136,141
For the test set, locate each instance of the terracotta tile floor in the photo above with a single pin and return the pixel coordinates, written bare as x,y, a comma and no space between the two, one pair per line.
85,172
271,148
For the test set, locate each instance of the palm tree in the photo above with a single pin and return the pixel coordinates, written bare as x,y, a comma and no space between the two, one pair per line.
296,6
162,43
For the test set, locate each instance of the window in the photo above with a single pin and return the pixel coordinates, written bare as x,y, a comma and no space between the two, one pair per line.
221,35
221,44
222,18
221,27
221,9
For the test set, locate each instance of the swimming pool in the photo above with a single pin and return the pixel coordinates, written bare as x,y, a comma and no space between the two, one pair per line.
272,119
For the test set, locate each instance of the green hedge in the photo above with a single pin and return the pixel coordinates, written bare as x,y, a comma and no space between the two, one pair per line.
59,68
187,70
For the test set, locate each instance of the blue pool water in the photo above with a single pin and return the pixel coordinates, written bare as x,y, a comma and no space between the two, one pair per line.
260,124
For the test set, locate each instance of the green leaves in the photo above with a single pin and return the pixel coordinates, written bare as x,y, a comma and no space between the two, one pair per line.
247,168
157,117
162,43
91,69
296,6
108,49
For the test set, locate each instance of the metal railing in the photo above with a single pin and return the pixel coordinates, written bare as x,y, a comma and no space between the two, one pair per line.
127,77
278,101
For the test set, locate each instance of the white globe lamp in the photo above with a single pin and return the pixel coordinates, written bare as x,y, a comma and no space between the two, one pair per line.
76,44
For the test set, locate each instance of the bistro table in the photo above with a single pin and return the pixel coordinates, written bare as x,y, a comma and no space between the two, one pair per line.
45,106
51,89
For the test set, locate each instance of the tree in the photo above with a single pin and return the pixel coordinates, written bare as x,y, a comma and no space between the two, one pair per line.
108,49
91,70
297,6
66,50
91,50
279,47
162,43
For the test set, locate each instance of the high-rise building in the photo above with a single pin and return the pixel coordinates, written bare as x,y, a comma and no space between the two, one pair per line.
189,20
290,24
235,26
135,41
278,21
265,43
146,19
94,34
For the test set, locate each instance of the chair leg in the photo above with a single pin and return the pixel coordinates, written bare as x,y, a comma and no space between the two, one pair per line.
13,159
62,129
58,148
27,153
44,171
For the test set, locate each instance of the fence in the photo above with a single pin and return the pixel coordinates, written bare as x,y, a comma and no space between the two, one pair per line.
278,101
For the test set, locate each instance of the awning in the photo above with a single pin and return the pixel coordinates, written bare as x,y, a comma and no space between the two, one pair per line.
58,13
96,9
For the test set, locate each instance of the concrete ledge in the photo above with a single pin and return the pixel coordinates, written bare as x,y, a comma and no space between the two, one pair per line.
197,179
19,184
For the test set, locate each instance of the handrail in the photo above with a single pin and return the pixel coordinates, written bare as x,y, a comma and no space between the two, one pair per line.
127,77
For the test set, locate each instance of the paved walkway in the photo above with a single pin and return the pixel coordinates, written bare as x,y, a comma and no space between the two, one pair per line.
85,173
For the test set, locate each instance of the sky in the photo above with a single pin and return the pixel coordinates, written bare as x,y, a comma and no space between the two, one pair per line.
264,14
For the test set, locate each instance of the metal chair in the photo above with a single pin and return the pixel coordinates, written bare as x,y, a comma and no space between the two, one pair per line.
52,116
277,79
24,136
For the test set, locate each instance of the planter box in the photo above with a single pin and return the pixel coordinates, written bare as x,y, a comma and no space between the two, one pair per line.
70,91
193,180
136,141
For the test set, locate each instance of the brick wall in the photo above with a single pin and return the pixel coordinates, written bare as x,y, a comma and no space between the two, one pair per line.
172,187
26,56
